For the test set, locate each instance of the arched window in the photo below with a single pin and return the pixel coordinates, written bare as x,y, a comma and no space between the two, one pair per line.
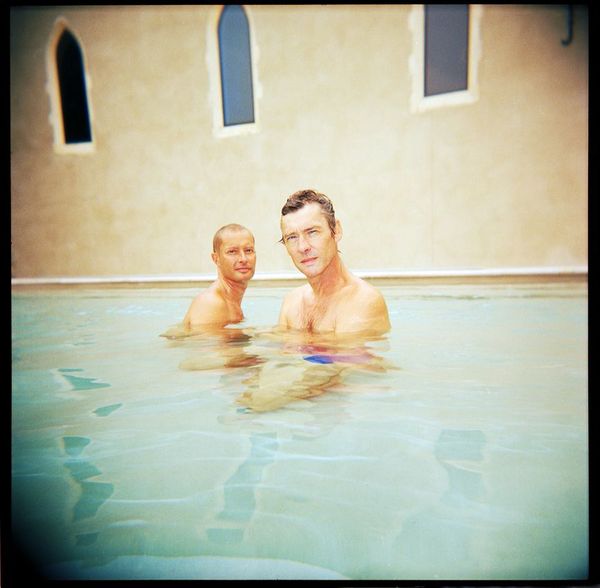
73,92
236,66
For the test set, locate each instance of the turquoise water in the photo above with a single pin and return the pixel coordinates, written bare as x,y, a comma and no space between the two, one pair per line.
456,447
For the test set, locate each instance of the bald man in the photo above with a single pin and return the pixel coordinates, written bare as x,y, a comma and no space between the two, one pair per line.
221,303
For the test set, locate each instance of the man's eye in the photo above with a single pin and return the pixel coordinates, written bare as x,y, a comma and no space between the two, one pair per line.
290,238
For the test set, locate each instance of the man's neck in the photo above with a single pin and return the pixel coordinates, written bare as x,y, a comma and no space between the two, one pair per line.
331,280
231,290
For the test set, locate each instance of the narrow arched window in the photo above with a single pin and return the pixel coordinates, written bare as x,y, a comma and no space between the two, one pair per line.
236,66
73,92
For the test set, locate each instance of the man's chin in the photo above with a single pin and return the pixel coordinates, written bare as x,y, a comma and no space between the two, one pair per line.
245,276
309,270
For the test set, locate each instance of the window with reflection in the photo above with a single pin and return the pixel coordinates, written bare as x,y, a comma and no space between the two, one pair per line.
236,66
446,48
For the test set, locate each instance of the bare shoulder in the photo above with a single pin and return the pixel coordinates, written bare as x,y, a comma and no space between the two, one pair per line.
368,293
206,308
369,308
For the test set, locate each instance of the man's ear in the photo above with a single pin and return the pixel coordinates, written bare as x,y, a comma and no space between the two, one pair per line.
215,257
338,231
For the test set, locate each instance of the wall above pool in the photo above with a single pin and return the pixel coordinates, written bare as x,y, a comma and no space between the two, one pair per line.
493,176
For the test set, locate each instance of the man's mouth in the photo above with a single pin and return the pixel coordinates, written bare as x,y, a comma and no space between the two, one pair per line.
308,260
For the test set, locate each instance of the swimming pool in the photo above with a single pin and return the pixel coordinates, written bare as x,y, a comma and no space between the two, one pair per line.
456,447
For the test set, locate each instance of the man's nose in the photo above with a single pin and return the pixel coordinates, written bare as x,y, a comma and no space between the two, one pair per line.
303,243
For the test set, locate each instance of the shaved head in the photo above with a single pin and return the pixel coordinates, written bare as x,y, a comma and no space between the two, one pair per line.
230,228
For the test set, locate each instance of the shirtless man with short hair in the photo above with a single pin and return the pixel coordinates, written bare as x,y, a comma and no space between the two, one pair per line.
221,303
334,300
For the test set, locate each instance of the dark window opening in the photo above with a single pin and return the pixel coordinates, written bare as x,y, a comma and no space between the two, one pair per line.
73,94
446,48
236,66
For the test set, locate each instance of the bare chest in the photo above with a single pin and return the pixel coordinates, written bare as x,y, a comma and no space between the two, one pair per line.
319,316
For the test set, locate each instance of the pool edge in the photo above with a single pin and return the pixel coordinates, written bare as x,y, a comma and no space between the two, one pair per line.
468,276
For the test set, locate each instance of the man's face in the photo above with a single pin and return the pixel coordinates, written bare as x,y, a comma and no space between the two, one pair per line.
308,239
236,258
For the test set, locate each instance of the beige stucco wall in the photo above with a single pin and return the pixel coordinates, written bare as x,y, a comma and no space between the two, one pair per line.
500,182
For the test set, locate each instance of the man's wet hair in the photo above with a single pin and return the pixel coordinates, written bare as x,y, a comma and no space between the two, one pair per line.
298,199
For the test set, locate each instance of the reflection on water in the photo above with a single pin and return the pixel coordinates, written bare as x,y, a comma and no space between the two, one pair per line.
275,370
248,453
81,382
92,493
447,533
459,453
239,491
280,367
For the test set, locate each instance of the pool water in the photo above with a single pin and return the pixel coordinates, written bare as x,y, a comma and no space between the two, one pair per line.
455,447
